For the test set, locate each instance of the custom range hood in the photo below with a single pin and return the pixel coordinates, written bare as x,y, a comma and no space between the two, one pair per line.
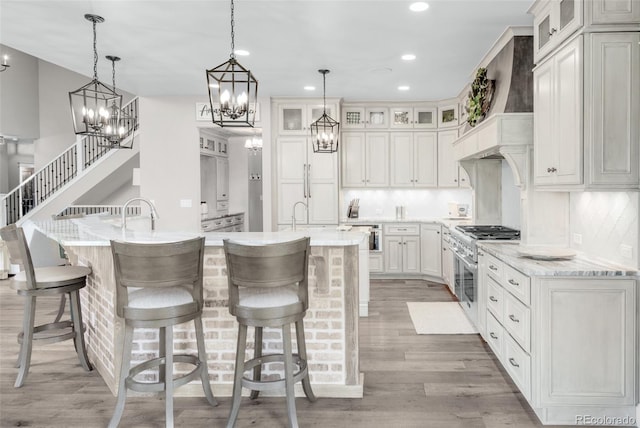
505,130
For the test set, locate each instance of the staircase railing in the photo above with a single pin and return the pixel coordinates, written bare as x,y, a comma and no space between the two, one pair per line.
44,183
80,210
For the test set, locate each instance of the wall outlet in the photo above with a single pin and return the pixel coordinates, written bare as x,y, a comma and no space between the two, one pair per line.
577,238
626,251
185,203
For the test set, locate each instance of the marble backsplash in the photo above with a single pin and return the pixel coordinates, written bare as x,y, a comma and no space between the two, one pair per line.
604,225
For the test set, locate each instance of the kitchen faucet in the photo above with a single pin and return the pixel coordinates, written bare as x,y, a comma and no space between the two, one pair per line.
154,214
293,214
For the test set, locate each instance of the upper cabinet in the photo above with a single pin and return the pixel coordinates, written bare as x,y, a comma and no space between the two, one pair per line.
357,117
587,104
414,159
413,117
556,20
295,119
365,159
448,115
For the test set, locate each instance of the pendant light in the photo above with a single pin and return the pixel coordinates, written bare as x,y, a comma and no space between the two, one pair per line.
4,63
91,104
325,130
234,102
120,124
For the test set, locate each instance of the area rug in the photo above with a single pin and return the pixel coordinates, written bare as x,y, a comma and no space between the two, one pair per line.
439,318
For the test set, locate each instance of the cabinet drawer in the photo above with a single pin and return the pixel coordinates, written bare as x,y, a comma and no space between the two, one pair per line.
518,364
517,284
375,262
222,205
516,320
402,229
495,298
494,267
495,335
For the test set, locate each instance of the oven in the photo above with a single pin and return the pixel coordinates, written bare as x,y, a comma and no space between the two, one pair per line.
465,272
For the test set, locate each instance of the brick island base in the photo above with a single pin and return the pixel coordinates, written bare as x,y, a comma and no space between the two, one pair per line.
331,323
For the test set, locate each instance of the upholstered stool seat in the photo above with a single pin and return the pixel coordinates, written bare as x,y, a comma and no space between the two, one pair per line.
34,282
159,286
268,288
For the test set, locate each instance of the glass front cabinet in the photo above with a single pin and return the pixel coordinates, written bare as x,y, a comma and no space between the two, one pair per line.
413,117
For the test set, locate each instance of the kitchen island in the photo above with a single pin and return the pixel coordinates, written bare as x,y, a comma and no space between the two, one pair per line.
331,323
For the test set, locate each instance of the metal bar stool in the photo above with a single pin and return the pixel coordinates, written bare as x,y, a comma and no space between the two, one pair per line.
45,281
159,286
268,288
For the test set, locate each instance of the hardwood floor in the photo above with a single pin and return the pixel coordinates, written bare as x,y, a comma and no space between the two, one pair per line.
410,380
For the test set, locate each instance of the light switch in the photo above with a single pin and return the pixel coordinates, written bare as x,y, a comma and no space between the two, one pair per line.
577,238
626,251
185,203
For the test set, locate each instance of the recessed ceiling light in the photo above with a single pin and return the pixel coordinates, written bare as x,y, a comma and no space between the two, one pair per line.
309,88
408,57
403,88
419,6
214,85
241,52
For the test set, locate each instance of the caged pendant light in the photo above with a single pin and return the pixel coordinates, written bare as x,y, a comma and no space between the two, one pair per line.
91,104
120,124
325,130
235,101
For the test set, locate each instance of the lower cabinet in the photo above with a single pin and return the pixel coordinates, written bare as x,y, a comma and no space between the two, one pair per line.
568,343
447,260
401,248
376,262
430,249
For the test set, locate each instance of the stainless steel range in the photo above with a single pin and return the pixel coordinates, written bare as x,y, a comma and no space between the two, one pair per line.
463,244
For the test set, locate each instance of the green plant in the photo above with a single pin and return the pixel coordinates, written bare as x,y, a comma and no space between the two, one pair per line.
479,97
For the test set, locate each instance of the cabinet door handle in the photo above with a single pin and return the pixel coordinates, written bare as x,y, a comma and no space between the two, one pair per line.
304,180
512,282
492,267
552,32
513,362
455,180
480,254
513,318
552,169
309,180
493,335
493,299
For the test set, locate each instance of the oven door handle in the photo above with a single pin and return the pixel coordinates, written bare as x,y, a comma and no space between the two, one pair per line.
469,265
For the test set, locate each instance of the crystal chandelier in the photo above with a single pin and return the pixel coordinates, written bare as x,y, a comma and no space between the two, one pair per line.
235,101
325,130
119,124
91,105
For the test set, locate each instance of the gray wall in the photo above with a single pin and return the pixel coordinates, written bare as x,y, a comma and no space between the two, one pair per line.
11,155
19,109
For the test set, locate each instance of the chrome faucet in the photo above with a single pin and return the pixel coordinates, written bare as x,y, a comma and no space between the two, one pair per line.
293,214
154,214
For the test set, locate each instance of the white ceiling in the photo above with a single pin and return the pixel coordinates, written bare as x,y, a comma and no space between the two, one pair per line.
166,45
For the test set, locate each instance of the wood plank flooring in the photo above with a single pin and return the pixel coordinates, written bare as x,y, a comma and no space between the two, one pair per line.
410,380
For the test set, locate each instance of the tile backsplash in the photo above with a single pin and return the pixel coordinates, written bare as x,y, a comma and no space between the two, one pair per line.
605,225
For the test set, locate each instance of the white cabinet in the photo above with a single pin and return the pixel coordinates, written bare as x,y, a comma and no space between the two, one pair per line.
448,115
612,109
554,21
401,248
431,249
365,159
414,161
413,117
558,117
222,178
585,342
586,109
357,117
447,164
295,119
447,260
303,175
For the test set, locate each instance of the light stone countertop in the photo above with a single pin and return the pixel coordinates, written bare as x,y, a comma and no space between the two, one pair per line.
99,230
580,265
448,222
217,217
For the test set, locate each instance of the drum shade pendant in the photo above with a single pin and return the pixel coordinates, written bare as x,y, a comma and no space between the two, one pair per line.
325,130
234,102
120,123
91,104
